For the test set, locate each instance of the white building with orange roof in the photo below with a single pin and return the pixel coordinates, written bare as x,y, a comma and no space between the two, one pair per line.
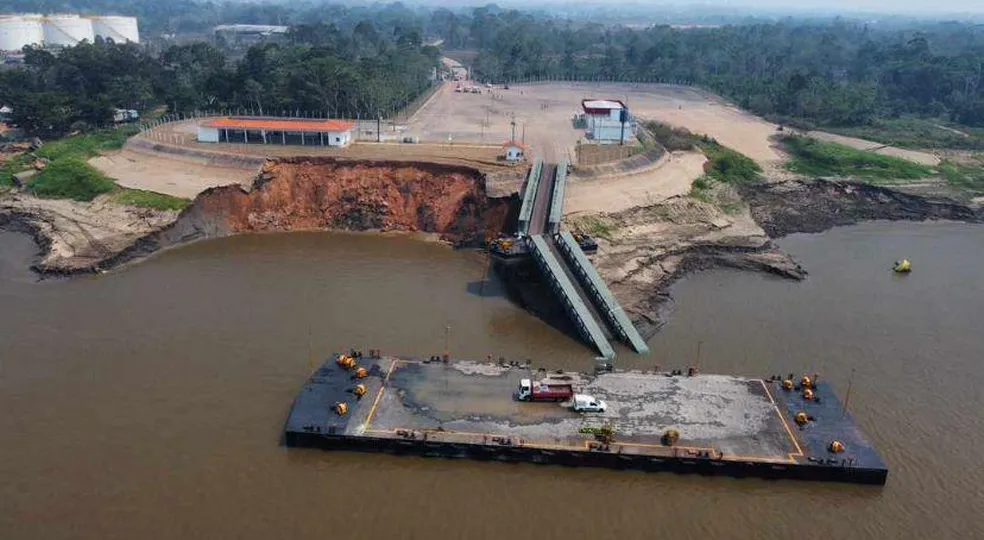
286,131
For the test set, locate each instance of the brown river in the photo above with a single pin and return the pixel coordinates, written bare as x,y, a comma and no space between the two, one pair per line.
147,403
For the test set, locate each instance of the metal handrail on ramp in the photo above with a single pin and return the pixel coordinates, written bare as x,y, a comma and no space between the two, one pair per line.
557,200
529,197
604,300
578,311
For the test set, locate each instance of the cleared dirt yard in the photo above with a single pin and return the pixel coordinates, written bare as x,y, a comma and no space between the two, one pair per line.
670,177
546,111
168,174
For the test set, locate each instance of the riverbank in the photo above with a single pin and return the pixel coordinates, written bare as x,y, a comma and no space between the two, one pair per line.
645,250
291,194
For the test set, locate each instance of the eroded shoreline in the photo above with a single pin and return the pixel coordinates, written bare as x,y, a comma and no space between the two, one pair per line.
658,244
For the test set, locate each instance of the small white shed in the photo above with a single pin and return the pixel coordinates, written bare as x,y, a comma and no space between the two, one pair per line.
514,151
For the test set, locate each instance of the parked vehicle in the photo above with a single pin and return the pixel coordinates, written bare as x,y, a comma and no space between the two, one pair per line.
530,390
586,403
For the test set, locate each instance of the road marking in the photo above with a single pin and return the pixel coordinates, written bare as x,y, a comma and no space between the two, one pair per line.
782,418
379,395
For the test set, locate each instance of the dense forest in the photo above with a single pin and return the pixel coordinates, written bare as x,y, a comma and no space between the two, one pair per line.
324,72
368,59
836,73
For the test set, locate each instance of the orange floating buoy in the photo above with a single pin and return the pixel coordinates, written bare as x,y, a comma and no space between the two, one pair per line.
787,384
361,373
359,390
341,408
670,437
805,382
808,394
801,418
836,447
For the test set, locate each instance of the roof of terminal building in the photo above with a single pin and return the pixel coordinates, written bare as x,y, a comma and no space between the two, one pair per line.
252,28
281,124
602,104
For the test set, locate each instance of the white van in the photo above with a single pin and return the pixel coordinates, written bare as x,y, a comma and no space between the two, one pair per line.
585,403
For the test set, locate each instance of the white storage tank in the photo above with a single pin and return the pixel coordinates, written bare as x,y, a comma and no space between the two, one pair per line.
67,30
118,29
19,31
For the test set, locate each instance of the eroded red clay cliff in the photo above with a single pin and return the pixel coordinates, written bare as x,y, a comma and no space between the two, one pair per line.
299,194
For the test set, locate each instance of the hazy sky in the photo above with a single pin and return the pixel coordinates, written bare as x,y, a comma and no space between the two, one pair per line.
923,7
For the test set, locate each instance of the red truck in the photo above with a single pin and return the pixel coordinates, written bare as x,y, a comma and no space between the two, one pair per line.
530,390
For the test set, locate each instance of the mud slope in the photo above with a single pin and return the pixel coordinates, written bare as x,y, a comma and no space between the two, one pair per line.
811,206
325,194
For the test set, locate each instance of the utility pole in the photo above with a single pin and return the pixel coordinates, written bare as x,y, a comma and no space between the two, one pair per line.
447,343
697,365
513,124
847,397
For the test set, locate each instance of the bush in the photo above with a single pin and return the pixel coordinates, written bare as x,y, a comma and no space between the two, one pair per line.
963,176
70,178
728,166
149,199
819,158
87,145
916,133
672,138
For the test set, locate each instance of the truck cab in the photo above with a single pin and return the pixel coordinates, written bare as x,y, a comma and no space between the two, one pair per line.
525,391
586,403
530,390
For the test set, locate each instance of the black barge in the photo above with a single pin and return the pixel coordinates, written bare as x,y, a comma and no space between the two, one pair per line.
705,424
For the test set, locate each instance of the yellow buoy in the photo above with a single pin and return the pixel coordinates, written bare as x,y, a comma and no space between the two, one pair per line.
361,373
359,390
787,384
805,382
801,418
836,447
341,408
902,266
808,394
670,437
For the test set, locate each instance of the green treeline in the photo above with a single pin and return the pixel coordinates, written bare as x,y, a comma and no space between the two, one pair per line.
833,73
320,71
839,73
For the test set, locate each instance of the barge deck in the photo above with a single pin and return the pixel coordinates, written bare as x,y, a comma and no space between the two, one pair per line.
727,425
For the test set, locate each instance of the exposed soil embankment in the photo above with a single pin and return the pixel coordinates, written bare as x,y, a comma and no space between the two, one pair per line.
325,194
290,194
76,237
644,250
810,206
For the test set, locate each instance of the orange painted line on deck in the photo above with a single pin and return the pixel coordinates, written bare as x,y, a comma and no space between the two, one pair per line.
799,450
379,395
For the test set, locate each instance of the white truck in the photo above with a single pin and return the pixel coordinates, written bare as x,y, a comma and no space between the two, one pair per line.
586,403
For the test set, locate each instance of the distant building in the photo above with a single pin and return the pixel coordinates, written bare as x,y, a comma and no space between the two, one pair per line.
289,131
125,115
607,121
250,29
514,151
249,34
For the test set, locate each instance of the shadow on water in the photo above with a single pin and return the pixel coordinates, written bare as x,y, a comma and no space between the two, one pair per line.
17,252
484,289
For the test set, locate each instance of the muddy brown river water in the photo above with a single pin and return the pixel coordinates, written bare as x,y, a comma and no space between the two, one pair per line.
147,403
